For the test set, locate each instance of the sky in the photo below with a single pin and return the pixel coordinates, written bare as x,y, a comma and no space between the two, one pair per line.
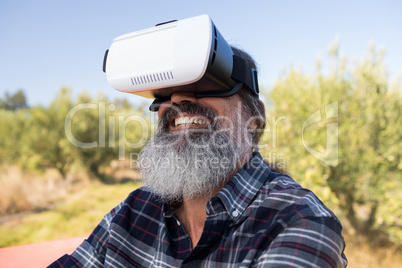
46,45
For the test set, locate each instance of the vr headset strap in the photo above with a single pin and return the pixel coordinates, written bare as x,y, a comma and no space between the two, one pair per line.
241,72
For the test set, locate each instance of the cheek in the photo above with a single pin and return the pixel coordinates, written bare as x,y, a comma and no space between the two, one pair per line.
220,105
161,112
162,109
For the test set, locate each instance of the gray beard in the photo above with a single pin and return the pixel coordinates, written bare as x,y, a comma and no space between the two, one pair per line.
190,163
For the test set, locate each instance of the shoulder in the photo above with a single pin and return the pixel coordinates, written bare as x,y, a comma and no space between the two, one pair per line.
291,201
300,226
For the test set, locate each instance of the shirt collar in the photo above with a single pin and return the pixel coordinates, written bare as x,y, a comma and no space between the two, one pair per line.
242,188
237,194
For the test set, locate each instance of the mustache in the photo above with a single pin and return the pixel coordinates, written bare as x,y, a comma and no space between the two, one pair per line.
186,107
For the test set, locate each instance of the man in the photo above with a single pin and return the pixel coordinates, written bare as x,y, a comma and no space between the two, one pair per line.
209,198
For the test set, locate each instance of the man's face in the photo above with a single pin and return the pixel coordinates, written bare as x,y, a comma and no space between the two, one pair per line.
197,147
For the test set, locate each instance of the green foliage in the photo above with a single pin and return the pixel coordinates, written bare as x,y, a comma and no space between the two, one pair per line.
12,127
364,176
14,102
43,143
66,134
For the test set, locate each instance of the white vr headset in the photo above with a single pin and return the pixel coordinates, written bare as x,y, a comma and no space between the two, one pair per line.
188,55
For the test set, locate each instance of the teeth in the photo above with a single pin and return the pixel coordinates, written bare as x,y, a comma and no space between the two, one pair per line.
189,121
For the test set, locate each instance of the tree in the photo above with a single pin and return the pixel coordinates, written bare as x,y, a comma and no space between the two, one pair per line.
102,130
43,143
14,102
12,126
364,114
86,133
88,128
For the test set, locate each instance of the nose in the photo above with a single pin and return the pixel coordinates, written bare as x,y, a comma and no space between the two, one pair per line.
181,97
176,98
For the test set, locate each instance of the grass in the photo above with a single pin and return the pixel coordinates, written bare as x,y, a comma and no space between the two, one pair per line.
22,191
77,216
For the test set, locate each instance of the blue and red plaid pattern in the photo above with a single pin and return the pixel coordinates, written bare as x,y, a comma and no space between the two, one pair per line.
259,219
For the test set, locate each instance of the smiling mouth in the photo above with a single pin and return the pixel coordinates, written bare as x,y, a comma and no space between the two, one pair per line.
189,122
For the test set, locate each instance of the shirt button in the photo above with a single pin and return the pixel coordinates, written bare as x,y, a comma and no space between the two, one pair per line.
235,213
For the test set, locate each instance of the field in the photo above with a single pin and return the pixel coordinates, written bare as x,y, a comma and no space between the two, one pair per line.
79,211
77,216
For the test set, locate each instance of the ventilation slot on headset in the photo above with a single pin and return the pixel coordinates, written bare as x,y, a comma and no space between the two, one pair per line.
151,78
215,46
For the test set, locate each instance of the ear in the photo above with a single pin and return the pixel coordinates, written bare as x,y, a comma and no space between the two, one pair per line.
253,125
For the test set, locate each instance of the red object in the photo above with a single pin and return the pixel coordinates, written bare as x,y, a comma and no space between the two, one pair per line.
39,254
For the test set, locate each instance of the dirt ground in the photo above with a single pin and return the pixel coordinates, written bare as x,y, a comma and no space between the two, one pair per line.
361,254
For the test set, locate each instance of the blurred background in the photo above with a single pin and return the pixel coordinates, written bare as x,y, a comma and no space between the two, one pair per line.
311,55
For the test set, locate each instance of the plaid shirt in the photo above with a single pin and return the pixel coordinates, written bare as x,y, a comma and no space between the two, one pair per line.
259,219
